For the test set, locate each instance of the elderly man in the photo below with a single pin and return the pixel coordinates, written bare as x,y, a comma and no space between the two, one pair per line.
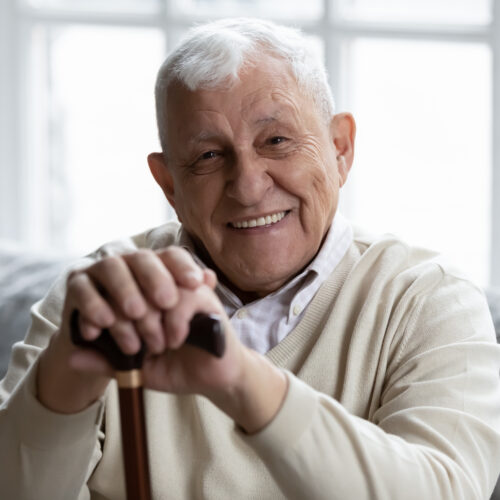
356,367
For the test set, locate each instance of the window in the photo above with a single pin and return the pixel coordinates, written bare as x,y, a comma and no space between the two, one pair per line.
420,76
101,94
428,176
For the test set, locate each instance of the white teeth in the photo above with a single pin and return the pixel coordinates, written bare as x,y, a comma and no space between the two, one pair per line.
261,221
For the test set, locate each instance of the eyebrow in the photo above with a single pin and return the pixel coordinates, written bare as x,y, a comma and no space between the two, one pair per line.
266,120
207,135
285,115
202,136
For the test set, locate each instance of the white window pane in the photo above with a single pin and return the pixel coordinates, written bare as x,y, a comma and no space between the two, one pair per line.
423,162
103,126
437,11
291,9
119,6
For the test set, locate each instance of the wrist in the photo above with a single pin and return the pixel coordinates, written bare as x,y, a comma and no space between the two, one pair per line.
62,389
258,394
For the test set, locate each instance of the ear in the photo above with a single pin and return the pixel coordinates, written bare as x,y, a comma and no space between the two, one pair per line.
162,175
343,131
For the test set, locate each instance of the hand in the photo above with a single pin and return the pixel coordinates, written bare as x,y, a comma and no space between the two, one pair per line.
151,297
123,293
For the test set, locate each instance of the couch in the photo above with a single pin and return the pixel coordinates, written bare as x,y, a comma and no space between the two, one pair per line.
26,277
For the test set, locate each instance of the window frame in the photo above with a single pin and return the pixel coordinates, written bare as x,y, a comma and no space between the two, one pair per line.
19,196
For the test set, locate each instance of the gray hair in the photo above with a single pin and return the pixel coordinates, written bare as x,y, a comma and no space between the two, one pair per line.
211,56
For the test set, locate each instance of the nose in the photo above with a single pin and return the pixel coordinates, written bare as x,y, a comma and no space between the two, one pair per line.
248,180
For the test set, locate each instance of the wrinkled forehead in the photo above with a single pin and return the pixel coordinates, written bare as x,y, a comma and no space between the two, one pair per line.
263,91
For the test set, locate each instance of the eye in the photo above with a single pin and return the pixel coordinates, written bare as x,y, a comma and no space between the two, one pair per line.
208,155
277,140
207,162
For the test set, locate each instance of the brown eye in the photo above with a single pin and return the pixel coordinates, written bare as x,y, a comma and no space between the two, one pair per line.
277,140
207,162
209,155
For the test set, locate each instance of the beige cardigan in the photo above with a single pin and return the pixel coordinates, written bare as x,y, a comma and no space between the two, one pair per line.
394,394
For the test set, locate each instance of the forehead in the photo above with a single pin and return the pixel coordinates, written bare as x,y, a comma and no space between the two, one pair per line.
265,89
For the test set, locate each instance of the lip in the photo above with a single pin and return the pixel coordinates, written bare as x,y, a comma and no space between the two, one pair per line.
258,229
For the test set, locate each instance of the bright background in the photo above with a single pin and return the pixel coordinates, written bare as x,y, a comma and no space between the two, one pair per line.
422,78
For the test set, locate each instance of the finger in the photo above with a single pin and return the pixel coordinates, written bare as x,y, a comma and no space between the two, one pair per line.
176,321
86,360
209,278
84,296
114,276
150,327
126,336
153,277
181,265
87,329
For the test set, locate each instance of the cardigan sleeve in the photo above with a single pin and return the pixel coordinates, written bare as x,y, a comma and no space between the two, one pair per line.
43,454
436,432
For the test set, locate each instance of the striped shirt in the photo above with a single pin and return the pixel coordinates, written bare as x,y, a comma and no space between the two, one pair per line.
265,322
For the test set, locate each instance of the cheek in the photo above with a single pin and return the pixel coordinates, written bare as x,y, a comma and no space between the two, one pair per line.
197,201
312,176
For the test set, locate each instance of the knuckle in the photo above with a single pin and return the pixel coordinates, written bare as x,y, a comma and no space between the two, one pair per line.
211,273
175,252
75,278
72,275
108,264
140,255
144,253
77,284
71,280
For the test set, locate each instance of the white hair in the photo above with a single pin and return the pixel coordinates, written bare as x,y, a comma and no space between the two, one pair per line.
212,55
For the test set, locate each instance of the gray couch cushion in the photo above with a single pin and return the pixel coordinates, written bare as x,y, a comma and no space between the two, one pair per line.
24,279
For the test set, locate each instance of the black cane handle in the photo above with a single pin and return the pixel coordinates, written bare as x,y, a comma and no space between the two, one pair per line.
205,331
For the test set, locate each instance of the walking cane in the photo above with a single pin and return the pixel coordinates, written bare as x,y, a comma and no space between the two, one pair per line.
205,332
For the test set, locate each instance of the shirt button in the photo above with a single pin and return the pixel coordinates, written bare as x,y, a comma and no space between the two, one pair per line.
242,314
297,309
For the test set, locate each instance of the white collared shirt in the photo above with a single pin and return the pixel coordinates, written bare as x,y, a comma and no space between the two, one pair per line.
265,322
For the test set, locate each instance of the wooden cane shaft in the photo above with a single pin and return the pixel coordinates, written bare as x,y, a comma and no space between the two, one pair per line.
205,332
134,441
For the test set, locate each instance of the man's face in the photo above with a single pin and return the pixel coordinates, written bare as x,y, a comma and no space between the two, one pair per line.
252,173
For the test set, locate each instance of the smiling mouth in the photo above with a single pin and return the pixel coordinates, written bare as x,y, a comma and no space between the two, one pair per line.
265,220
